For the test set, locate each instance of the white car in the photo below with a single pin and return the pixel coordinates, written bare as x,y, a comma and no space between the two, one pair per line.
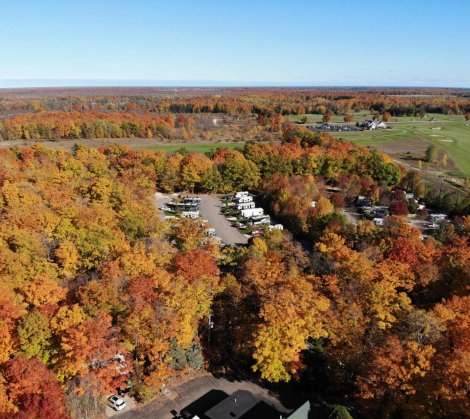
116,403
164,208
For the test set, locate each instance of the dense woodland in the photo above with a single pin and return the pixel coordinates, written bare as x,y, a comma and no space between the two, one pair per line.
120,112
97,293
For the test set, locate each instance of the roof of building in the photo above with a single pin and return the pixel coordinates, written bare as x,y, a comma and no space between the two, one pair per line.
234,406
242,405
302,412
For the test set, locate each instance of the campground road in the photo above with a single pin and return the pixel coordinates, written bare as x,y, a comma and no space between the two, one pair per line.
200,394
159,200
210,211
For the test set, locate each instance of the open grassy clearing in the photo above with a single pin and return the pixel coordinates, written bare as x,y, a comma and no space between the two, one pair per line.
196,148
453,137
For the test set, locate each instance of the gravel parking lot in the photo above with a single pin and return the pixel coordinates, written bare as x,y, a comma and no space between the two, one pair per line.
210,211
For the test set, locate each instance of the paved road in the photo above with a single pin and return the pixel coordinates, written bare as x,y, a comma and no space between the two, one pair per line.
159,200
207,391
210,211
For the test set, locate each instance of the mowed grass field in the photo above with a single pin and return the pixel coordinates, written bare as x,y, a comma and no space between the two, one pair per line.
452,137
195,148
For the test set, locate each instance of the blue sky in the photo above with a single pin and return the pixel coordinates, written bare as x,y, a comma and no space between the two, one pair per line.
237,42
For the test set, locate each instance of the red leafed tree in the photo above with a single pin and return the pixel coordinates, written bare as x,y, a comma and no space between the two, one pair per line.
348,118
195,264
337,200
31,376
404,251
399,208
39,406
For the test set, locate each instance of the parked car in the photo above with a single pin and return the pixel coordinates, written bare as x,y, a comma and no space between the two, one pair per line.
257,233
116,403
165,208
240,225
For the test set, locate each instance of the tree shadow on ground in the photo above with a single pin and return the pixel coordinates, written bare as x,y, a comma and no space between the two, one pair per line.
206,402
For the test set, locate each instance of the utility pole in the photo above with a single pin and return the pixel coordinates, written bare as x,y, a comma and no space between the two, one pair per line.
425,187
457,200
209,333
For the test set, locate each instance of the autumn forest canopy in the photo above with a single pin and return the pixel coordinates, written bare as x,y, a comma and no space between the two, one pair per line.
151,113
98,293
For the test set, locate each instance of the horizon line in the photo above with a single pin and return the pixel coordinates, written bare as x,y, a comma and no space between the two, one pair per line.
90,83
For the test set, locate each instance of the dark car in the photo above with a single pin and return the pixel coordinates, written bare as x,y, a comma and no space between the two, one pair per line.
363,203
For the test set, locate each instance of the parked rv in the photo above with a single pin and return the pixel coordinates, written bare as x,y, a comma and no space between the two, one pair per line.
262,221
251,212
378,222
179,206
437,217
245,205
190,214
192,200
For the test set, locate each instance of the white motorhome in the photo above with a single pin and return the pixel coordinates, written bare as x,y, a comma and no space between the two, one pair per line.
438,217
262,221
245,205
378,222
240,194
245,199
251,212
190,214
260,218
